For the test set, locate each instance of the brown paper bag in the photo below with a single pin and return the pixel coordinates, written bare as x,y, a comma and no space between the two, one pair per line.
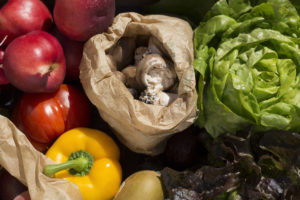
141,127
22,161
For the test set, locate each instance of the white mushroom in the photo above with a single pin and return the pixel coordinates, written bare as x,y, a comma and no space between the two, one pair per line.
158,97
154,70
130,74
149,96
156,47
165,98
123,52
140,53
156,74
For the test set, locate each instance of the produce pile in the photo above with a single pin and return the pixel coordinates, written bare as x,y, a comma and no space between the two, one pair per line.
108,100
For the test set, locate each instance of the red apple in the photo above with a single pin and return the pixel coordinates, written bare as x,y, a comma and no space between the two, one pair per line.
1,55
3,79
79,20
35,62
73,54
18,17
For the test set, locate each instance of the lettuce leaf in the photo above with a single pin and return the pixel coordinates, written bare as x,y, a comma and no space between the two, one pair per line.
248,63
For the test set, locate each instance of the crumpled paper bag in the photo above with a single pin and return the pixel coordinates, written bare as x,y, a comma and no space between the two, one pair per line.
142,127
22,161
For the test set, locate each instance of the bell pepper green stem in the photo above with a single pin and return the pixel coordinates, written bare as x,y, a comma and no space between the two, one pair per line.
78,164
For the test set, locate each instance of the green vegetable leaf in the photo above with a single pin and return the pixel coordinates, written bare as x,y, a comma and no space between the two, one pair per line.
234,8
212,28
278,15
253,76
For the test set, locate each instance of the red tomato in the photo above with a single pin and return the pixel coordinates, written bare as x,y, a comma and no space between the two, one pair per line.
45,116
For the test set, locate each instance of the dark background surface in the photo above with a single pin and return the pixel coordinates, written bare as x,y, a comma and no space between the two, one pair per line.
121,5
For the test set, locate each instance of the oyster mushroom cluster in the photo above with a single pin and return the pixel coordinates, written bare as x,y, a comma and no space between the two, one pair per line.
145,67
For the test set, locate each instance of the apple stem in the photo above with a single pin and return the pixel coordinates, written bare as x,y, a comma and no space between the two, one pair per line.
52,68
2,42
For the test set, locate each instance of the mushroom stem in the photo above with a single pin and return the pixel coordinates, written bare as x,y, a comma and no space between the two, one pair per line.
154,70
157,97
165,99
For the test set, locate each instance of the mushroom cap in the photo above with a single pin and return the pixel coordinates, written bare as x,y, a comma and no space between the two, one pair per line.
130,74
140,53
153,70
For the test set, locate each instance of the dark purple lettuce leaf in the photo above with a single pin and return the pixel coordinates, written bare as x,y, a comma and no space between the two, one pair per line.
184,194
206,182
248,165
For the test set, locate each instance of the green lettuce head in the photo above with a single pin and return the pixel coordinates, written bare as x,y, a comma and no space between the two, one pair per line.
248,59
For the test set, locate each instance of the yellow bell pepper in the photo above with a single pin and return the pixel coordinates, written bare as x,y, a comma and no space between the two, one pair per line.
88,158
